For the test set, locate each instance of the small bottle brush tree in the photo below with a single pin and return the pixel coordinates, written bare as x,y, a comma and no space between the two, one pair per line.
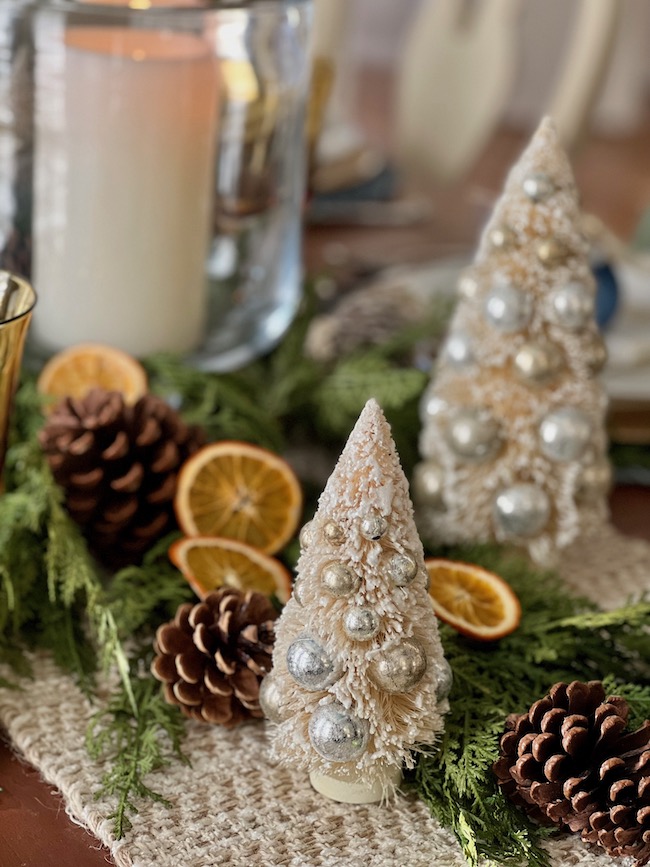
513,437
359,679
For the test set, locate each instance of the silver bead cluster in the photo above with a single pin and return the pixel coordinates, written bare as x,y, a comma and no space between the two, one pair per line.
336,734
310,665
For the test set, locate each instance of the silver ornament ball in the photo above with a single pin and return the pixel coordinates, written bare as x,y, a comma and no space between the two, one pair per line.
373,527
565,433
522,511
401,569
400,667
473,434
539,187
270,699
427,485
507,308
458,350
431,405
443,677
333,533
572,306
306,536
537,362
502,238
467,287
339,580
361,624
310,665
336,734
296,591
594,481
552,252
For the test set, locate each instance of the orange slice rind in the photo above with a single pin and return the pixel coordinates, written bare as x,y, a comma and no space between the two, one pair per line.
239,491
75,371
209,563
475,602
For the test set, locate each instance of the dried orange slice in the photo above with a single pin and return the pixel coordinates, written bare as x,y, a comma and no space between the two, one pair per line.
239,491
208,563
74,371
475,602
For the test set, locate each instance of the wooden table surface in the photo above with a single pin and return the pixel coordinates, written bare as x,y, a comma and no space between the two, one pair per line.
614,177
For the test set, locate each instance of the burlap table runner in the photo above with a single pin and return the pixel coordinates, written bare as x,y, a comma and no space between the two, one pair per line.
232,808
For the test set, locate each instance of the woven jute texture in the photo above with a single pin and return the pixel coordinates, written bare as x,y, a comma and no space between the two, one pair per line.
232,808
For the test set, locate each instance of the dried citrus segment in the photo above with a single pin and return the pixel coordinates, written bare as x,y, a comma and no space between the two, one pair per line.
474,601
209,563
239,491
74,371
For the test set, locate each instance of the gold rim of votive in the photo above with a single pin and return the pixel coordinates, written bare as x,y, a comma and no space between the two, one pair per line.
27,300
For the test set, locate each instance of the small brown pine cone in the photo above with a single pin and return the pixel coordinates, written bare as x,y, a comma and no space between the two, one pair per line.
212,657
551,757
622,824
118,466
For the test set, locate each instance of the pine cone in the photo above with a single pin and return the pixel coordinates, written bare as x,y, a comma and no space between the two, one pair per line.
622,825
552,758
212,657
118,466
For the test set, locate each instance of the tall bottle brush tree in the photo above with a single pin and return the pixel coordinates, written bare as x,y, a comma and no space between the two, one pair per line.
359,679
513,437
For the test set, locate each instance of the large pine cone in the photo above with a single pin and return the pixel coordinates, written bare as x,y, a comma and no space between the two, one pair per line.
552,758
622,825
212,657
118,466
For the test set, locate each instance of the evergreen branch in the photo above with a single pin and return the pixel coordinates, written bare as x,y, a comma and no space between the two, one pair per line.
134,741
142,597
345,391
560,637
636,695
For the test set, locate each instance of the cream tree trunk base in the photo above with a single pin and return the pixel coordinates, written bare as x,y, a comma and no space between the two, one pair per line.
350,791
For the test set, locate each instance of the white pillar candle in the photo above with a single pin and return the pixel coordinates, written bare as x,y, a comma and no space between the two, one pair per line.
124,160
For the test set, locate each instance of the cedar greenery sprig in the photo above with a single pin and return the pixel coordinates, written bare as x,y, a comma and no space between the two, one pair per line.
560,637
135,743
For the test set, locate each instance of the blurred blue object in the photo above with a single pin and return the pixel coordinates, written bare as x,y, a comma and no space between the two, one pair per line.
607,293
